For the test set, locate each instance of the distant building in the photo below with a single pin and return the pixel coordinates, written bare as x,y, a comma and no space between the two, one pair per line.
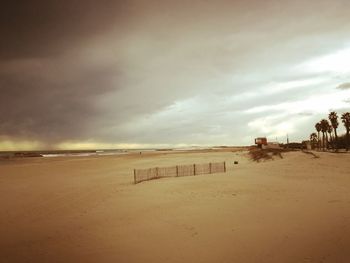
260,141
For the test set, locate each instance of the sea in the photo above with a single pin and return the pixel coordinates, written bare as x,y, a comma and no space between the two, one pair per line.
82,153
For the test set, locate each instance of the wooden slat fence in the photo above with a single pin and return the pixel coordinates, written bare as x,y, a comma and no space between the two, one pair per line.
141,175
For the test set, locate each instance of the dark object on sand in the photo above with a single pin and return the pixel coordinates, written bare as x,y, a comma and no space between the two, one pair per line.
235,162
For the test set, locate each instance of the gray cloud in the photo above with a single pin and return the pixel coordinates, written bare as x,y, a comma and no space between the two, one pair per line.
344,86
156,71
51,100
39,28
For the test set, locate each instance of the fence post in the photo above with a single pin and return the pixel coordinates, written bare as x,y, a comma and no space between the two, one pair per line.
157,172
210,168
224,167
134,176
194,169
177,171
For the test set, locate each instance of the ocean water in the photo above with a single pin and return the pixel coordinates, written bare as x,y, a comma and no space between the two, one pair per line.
82,154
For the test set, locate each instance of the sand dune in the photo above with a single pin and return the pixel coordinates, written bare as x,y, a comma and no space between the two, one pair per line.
87,209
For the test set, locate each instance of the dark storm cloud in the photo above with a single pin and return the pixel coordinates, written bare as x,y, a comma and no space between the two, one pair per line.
156,71
47,91
42,28
51,100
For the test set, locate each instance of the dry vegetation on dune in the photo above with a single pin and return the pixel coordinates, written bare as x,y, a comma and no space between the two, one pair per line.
257,154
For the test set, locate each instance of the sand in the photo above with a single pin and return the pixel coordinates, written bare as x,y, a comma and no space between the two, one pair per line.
87,209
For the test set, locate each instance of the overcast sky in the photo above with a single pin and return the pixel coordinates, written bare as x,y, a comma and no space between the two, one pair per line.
104,74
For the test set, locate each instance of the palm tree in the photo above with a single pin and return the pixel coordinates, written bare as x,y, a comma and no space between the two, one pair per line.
324,129
313,139
318,129
330,130
333,117
345,117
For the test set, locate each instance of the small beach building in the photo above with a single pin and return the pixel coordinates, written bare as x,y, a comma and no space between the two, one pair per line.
260,141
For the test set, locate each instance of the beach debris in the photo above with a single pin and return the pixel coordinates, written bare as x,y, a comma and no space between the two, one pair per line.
235,162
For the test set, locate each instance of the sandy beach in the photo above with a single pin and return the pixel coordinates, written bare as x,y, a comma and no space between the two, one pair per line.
87,209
